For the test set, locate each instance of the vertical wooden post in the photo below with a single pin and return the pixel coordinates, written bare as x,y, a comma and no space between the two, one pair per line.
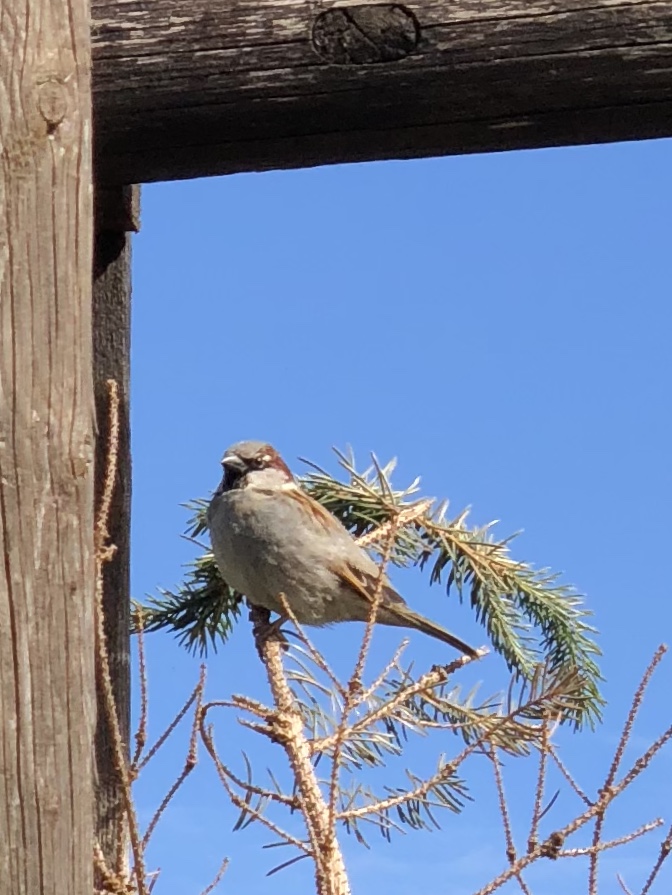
116,217
47,687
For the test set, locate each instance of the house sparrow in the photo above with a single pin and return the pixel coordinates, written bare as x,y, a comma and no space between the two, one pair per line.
269,538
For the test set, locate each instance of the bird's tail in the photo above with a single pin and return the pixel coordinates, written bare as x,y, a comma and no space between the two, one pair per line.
404,617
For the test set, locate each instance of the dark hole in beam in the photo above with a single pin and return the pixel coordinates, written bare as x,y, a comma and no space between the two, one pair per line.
362,35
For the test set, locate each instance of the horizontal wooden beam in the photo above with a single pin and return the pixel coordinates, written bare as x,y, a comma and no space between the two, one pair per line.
186,89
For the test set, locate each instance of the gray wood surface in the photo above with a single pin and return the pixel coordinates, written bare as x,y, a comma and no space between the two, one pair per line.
219,86
47,685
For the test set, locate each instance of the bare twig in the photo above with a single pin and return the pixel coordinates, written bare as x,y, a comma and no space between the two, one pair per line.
365,695
218,878
313,652
141,732
189,764
112,882
663,855
553,845
355,682
225,775
621,883
193,696
253,706
434,678
260,791
381,806
611,843
618,757
355,687
403,517
104,552
503,807
532,838
553,752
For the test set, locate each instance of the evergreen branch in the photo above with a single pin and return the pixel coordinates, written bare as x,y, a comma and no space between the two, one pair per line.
402,705
366,502
511,598
444,789
202,612
439,706
530,617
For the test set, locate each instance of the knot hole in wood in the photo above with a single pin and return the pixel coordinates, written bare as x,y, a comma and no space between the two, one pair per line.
52,101
366,34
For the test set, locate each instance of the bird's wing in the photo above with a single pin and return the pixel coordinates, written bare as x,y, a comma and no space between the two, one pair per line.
316,512
352,572
365,585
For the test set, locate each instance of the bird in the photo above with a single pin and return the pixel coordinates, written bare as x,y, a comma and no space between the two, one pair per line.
270,538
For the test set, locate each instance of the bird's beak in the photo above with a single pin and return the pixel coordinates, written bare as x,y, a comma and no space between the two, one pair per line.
233,461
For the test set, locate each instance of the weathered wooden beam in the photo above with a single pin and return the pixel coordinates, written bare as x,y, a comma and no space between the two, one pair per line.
184,89
47,574
117,217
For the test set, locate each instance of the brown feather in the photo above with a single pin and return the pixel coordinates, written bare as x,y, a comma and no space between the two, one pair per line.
365,585
395,611
318,513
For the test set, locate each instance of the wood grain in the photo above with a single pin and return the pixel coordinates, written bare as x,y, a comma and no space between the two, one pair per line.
47,687
215,86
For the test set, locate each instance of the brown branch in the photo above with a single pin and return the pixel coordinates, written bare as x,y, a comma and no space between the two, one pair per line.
355,682
533,835
434,678
314,653
218,878
141,732
663,855
189,764
194,695
113,882
611,843
103,553
365,695
224,774
419,792
102,521
552,751
264,793
552,847
618,757
331,878
401,518
503,807
621,883
355,686
253,706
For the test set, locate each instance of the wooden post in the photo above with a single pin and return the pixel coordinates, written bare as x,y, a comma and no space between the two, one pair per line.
116,218
47,685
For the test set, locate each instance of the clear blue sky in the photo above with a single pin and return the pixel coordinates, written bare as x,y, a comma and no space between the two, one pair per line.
499,323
